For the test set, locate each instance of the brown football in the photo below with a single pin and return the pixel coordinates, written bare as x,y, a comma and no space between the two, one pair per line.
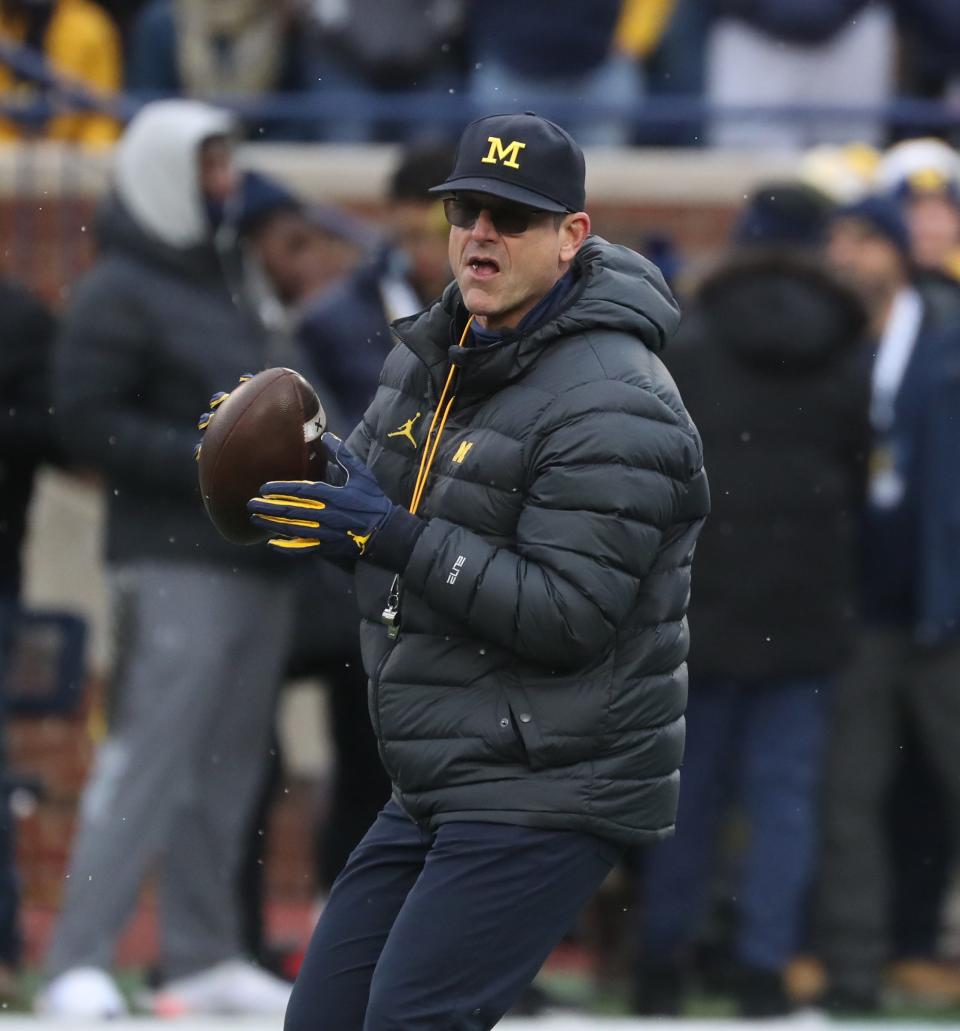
267,429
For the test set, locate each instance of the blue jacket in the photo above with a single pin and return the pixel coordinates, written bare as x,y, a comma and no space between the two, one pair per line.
935,386
938,612
347,337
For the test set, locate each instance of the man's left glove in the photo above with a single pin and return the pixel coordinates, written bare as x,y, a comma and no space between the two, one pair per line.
339,522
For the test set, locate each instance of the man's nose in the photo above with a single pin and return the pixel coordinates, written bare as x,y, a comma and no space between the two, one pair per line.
483,228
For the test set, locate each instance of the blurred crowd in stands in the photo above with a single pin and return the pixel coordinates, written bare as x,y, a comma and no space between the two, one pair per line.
819,356
617,71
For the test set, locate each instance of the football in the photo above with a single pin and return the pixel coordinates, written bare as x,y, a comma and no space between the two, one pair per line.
267,429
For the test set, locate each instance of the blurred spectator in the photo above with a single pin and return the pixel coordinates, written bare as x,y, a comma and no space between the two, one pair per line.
81,43
403,49
924,176
280,235
215,49
202,627
768,54
766,359
26,441
561,56
347,330
908,656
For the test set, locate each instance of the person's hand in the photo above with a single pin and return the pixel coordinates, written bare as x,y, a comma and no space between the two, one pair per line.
214,403
339,522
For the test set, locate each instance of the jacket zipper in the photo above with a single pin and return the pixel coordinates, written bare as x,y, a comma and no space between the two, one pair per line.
390,617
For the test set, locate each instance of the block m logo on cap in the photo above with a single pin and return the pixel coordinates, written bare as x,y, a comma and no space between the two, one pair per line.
504,155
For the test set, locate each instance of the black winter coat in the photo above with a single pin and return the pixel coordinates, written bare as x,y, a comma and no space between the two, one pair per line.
26,425
151,333
772,366
539,675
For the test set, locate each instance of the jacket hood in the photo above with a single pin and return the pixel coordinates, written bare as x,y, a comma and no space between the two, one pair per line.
118,232
156,172
779,311
616,289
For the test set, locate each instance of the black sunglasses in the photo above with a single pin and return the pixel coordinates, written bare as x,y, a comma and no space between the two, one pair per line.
508,219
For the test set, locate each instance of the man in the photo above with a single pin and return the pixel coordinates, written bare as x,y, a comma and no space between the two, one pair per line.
523,620
346,330
202,629
768,362
907,660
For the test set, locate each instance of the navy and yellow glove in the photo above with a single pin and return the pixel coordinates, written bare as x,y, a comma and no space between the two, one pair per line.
338,522
204,421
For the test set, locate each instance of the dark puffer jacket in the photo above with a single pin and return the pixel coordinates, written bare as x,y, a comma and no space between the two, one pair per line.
150,335
539,675
772,366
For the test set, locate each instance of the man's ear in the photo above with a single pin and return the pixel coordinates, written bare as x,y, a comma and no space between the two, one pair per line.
574,230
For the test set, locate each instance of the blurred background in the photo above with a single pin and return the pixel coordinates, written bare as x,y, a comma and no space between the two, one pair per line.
790,166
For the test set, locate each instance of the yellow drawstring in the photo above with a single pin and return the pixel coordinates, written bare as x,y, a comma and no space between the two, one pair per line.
432,443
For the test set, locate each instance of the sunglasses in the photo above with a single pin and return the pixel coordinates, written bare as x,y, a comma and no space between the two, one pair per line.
508,219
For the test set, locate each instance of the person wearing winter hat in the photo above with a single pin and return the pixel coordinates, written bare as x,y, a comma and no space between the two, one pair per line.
923,175
767,358
907,659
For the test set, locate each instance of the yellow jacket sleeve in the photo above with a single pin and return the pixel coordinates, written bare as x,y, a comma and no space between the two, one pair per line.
83,43
642,25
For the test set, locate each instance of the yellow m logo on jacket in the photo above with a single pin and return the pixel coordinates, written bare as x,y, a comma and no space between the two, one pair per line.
504,155
463,451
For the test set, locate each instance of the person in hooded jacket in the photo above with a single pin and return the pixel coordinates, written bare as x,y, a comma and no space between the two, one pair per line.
769,364
202,629
521,503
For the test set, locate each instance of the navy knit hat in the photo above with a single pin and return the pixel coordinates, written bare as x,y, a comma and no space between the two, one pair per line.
261,197
783,215
883,216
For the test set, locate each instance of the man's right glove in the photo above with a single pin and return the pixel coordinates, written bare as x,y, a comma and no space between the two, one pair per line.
340,522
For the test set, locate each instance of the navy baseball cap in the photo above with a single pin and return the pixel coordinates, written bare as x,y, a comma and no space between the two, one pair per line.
522,158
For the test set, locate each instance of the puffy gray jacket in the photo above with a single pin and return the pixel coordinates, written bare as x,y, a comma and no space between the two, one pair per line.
152,331
538,677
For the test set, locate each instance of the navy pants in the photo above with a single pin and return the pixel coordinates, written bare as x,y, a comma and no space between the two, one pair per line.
442,931
768,739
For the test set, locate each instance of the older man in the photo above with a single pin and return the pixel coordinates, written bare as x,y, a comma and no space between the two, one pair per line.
521,504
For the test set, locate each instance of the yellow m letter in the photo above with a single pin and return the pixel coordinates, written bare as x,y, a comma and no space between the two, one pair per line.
506,156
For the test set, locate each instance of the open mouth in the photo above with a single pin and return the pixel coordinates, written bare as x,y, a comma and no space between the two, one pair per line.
483,268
